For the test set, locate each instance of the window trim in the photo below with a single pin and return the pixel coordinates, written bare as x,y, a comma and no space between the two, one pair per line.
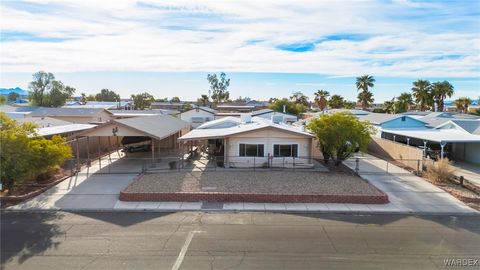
292,154
245,149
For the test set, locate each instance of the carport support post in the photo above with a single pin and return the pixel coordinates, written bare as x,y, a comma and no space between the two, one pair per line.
99,154
408,141
77,153
442,145
88,151
153,151
424,148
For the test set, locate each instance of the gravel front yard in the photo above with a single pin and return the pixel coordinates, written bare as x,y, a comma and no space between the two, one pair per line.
315,183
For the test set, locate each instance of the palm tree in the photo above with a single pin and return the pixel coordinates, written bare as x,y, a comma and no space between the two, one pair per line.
422,93
462,104
389,106
363,83
336,102
299,98
440,91
404,101
365,98
321,99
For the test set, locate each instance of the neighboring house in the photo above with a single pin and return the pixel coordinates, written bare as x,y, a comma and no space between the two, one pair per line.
258,104
107,105
265,113
16,112
120,114
22,94
74,115
198,116
254,141
178,106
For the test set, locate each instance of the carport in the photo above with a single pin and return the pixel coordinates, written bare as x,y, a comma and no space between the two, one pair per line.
443,137
164,130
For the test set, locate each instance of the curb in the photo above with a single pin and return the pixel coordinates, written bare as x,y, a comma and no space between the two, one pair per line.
409,213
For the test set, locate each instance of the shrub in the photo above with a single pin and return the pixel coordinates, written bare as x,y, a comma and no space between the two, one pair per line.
24,155
340,135
440,171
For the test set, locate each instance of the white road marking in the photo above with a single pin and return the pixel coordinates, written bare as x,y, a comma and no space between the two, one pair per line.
183,251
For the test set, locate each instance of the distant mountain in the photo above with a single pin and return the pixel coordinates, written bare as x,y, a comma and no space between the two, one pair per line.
18,90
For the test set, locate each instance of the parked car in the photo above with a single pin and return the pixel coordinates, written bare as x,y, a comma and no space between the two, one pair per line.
434,154
133,144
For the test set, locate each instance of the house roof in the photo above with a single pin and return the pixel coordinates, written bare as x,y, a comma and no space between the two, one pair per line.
56,130
470,126
437,118
206,131
72,112
436,135
136,112
43,122
158,126
378,118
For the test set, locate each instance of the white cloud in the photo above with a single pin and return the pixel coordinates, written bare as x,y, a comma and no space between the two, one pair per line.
239,36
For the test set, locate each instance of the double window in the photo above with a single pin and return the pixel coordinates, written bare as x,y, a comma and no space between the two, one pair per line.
251,150
285,150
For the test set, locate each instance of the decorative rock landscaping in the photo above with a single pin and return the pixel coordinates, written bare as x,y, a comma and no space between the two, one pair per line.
249,186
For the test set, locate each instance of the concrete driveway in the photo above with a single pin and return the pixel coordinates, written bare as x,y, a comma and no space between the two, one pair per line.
470,171
405,190
96,187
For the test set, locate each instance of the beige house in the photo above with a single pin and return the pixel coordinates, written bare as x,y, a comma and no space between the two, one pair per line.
254,142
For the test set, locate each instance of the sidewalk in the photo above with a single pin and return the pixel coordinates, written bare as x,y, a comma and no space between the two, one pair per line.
99,192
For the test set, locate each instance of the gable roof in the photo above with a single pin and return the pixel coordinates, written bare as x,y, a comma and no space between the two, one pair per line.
470,126
204,132
158,126
72,112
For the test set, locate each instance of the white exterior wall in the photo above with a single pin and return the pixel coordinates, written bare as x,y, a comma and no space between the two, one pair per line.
187,116
268,138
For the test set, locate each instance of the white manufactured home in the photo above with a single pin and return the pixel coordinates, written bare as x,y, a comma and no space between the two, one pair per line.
253,142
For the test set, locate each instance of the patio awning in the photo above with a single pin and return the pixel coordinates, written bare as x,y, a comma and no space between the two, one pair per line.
436,135
157,127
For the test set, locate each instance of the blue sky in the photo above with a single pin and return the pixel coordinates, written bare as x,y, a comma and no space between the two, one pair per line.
268,48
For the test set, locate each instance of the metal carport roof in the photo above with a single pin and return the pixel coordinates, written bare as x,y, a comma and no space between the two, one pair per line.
436,135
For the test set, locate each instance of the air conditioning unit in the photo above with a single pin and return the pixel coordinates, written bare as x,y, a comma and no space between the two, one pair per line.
277,119
246,118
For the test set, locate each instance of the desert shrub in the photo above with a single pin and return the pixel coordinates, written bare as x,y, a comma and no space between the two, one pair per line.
440,171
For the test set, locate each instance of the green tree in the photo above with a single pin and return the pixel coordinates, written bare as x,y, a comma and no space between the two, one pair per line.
204,99
440,91
12,96
107,95
3,100
142,101
161,100
462,104
321,99
40,86
336,102
340,135
389,106
403,103
365,97
175,99
422,93
25,155
349,105
290,107
299,98
91,98
58,94
83,98
219,87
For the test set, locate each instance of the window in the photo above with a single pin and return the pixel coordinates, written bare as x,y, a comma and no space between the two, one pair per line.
285,150
251,150
403,118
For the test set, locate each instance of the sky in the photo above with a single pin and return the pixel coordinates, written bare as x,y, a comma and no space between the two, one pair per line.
267,48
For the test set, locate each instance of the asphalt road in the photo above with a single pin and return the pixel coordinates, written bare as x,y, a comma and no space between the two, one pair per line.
196,240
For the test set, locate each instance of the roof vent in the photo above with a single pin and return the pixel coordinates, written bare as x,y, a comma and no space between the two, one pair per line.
246,118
